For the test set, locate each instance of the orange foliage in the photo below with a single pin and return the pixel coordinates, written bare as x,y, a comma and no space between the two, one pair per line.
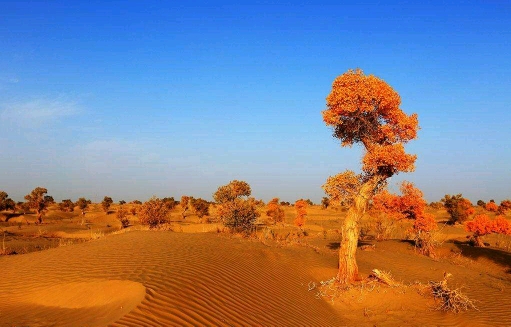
491,206
412,205
342,187
409,205
364,108
301,212
274,211
501,226
482,225
388,160
425,223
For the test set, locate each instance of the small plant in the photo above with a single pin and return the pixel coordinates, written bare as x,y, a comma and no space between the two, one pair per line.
106,203
236,211
301,212
458,208
274,211
122,216
384,227
200,206
184,205
482,225
423,234
505,206
325,202
67,205
491,206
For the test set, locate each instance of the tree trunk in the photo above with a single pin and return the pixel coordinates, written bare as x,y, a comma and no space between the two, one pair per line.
348,268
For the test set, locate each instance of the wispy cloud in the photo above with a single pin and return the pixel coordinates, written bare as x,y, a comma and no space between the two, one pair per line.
38,111
110,156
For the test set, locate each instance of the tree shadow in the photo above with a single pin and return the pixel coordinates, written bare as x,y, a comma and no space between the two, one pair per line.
500,257
11,215
337,245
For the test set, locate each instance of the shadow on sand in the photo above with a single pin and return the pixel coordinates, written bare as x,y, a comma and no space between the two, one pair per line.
500,257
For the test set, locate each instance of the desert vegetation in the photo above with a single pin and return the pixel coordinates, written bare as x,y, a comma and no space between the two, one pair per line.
236,211
359,219
315,238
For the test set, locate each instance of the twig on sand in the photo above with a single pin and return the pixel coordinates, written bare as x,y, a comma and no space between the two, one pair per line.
450,300
383,277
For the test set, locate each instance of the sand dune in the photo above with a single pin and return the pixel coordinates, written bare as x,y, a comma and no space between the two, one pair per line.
189,279
147,278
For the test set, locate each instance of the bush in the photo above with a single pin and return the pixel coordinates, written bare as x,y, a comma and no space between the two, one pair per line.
236,212
491,206
423,234
122,216
170,202
106,203
274,211
154,212
482,225
325,202
410,204
301,212
505,205
67,206
238,215
200,206
458,208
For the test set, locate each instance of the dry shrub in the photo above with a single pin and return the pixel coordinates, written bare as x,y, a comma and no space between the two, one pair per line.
200,206
122,216
423,234
239,215
450,299
274,211
458,208
301,212
384,226
236,211
154,212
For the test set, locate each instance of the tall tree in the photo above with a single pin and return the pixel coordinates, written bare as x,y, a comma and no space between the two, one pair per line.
38,201
364,109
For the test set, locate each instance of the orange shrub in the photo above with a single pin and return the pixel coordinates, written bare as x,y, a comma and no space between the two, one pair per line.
505,205
409,205
491,206
482,225
501,226
154,212
301,212
274,211
458,208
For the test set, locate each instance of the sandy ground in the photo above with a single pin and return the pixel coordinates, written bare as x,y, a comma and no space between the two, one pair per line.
198,277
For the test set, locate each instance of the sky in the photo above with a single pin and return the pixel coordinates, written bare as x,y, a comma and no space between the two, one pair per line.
135,99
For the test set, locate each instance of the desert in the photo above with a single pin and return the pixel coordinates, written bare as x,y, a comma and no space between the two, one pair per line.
100,274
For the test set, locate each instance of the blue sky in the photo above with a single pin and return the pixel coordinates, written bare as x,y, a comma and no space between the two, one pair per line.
134,99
